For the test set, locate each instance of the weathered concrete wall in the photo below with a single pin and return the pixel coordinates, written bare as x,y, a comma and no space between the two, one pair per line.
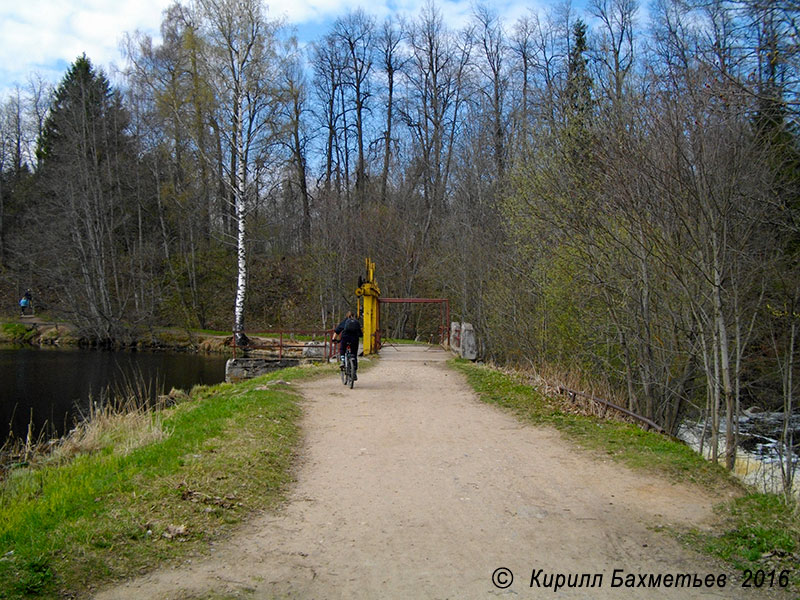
469,345
262,361
463,341
239,369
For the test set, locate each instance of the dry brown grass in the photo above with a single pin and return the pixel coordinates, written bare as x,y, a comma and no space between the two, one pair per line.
549,379
123,431
123,422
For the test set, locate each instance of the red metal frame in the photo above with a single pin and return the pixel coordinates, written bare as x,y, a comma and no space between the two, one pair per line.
444,327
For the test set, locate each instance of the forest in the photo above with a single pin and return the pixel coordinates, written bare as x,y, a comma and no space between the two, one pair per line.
612,192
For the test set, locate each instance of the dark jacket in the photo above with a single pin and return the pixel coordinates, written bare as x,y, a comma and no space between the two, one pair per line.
349,329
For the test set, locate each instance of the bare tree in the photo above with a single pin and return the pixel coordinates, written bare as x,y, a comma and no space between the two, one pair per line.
616,45
390,39
493,69
296,108
435,94
355,34
326,59
542,45
521,46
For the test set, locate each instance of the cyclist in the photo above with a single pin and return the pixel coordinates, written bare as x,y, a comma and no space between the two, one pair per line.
348,332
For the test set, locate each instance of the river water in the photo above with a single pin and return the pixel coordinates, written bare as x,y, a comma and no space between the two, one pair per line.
760,460
52,388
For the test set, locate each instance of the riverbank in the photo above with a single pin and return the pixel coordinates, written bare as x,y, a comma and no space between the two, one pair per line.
42,332
119,499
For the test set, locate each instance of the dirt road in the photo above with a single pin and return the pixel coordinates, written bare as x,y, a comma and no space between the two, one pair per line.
411,488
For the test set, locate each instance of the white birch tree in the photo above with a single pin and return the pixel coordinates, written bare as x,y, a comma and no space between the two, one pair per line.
241,63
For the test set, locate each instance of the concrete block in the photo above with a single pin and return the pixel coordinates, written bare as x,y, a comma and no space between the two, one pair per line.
239,369
469,345
314,350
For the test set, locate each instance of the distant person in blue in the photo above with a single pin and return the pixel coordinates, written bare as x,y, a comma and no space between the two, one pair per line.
348,332
26,303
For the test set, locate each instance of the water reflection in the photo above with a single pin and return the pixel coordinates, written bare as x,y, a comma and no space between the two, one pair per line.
52,387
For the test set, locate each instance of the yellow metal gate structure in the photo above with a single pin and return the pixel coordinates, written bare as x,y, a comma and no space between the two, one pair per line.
369,301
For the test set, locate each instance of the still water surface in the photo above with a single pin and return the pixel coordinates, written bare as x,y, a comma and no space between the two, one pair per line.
53,387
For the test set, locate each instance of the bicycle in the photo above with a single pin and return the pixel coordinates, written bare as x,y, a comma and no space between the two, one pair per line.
348,368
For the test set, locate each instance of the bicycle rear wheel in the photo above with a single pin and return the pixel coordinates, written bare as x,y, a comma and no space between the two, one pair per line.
351,370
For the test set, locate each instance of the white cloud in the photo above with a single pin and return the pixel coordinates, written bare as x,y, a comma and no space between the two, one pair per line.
308,10
45,36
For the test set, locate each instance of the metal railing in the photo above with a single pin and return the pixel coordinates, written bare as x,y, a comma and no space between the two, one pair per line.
284,339
605,405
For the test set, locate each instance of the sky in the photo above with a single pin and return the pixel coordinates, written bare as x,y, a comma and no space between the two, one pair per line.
43,37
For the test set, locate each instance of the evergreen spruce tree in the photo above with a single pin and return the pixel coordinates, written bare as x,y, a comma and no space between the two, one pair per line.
82,103
579,82
83,230
577,136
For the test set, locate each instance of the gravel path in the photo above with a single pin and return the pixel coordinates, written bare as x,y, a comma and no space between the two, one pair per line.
409,487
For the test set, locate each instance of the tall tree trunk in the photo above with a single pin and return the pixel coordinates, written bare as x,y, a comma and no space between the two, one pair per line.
788,466
724,361
387,142
241,251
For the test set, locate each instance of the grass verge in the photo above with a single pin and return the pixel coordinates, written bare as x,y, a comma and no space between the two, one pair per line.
67,527
755,532
759,534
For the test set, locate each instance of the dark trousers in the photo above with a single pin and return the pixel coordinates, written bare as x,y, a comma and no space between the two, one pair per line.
353,343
